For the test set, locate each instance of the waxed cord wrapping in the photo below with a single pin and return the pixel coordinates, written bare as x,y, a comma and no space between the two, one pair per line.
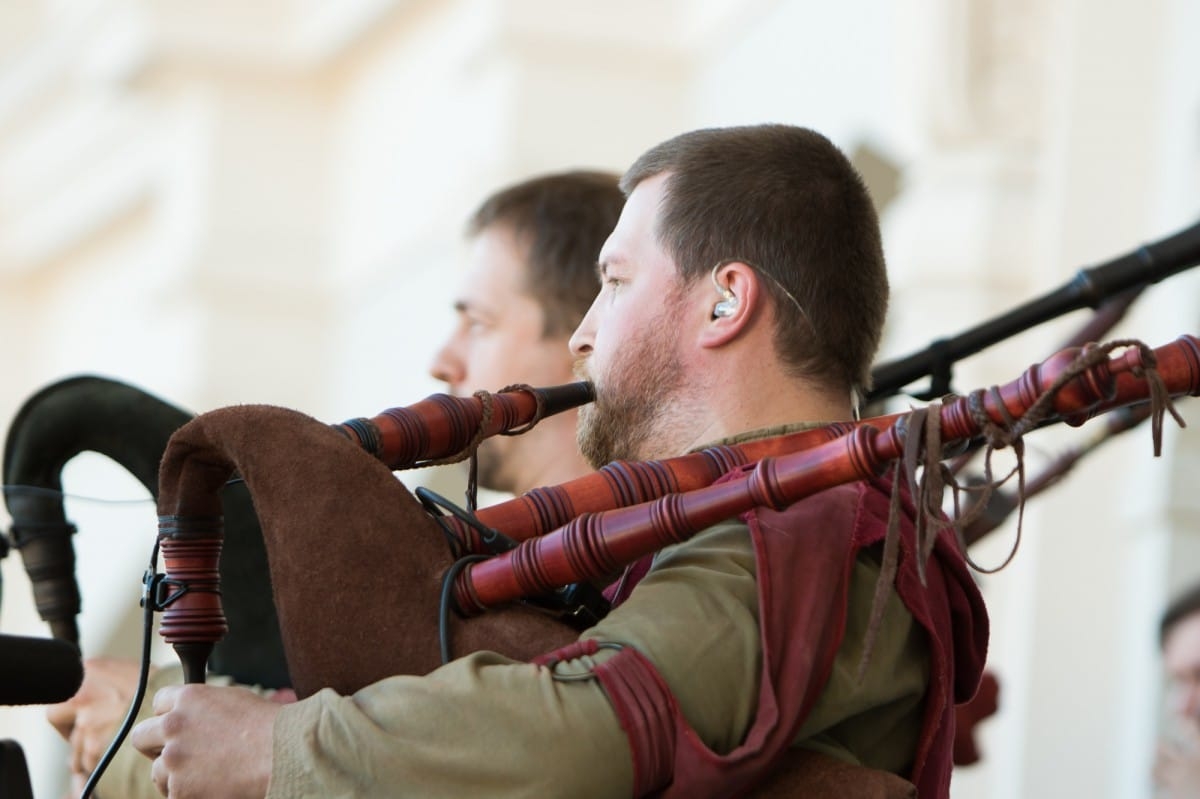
1011,432
486,399
487,410
923,453
538,413
485,419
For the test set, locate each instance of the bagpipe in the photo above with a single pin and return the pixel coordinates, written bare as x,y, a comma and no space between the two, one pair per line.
345,557
358,563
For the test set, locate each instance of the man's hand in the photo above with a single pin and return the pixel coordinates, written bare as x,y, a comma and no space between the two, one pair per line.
89,720
209,741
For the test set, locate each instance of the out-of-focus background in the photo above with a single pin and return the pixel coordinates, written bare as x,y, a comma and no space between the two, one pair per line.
228,202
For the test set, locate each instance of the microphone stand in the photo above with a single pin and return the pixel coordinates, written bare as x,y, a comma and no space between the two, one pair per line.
1089,288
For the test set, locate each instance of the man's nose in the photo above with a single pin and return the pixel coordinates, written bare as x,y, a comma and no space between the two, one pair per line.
447,366
581,340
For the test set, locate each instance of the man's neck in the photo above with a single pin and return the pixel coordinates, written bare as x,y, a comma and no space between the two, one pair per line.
759,433
723,412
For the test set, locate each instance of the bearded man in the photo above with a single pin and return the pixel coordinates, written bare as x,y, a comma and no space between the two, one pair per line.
743,293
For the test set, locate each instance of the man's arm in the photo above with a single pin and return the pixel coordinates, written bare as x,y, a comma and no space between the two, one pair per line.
480,726
486,726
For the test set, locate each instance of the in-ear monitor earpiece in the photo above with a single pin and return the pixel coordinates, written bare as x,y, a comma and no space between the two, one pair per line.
729,301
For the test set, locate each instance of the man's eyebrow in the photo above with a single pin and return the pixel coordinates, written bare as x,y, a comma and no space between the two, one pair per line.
602,264
475,310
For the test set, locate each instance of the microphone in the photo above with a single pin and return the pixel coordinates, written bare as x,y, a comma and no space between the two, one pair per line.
38,671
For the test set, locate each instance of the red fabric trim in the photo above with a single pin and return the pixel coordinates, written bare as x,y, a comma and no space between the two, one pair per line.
647,712
803,578
587,646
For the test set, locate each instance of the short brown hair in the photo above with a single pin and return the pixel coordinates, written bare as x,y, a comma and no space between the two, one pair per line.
787,201
564,219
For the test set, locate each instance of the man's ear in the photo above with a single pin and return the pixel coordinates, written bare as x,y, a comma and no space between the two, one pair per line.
737,298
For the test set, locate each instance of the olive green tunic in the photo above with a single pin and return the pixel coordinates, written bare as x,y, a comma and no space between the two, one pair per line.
485,726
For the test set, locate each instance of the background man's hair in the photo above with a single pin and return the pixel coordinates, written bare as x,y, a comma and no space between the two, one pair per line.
789,202
563,220
1180,608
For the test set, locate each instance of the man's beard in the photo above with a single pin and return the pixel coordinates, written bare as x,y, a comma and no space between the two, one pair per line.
634,402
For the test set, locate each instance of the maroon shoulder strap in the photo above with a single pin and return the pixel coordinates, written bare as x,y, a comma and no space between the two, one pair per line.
803,578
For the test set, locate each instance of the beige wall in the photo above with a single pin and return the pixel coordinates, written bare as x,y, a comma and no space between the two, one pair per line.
228,202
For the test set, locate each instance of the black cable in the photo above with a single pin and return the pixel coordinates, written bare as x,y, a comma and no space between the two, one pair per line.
435,503
445,602
150,584
16,489
54,493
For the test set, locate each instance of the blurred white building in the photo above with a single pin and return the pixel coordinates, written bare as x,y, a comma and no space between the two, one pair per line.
228,202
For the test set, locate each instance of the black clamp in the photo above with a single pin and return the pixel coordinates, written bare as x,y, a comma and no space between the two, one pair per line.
155,585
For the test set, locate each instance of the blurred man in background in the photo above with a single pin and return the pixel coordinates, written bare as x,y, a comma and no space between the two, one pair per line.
1177,763
530,278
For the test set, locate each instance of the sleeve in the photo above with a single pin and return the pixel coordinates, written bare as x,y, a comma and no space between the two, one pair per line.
695,617
480,726
484,726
